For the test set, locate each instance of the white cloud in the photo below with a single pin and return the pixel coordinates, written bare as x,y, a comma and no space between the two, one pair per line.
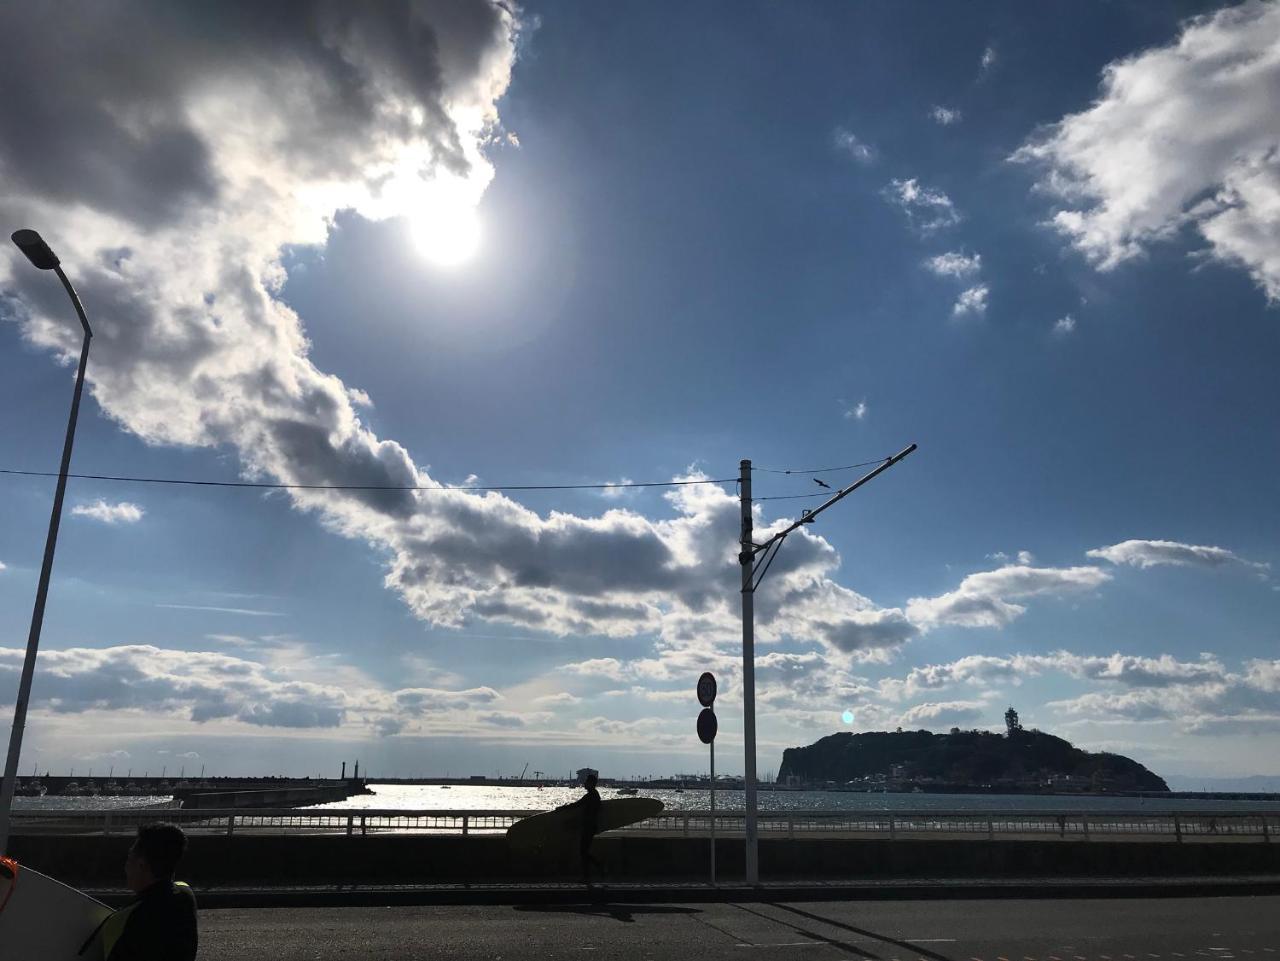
228,691
263,138
988,598
943,714
119,513
955,263
857,412
848,142
988,59
927,209
1182,135
971,301
246,611
1147,553
609,667
945,116
3,566
1064,325
562,699
618,490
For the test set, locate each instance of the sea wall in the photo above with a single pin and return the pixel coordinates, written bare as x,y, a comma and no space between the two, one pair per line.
277,860
272,798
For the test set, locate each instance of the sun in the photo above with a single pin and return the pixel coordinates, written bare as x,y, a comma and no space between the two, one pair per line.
446,233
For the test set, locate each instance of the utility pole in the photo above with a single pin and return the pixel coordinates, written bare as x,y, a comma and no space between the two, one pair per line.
747,559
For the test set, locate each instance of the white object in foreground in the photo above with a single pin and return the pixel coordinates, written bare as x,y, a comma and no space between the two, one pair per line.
45,920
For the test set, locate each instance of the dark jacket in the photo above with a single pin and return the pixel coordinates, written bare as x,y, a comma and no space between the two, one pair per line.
159,926
590,805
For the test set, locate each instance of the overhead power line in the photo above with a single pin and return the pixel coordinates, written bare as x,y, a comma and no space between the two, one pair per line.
792,497
818,470
366,487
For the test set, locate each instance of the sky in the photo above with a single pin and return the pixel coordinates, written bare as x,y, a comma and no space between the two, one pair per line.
458,246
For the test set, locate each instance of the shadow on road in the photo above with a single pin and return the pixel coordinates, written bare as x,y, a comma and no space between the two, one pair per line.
919,951
619,912
814,935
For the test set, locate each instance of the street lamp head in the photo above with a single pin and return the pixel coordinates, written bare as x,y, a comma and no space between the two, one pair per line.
37,251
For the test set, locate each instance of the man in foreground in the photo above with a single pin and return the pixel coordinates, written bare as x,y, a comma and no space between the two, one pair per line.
160,925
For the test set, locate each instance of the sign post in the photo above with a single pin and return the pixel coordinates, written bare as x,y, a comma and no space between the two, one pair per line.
707,728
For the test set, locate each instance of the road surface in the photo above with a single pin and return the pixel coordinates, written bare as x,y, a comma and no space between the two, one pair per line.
1119,929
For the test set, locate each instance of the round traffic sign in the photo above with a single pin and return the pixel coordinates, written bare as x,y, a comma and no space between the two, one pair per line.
706,689
707,725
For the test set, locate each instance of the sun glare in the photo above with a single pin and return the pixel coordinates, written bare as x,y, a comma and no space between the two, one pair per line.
446,234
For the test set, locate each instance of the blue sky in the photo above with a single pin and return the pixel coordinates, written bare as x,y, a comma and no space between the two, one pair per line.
1042,245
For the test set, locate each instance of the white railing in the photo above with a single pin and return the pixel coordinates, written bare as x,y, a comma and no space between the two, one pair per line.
1012,825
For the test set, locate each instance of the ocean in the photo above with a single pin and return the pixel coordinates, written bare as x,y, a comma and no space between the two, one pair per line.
474,797
484,798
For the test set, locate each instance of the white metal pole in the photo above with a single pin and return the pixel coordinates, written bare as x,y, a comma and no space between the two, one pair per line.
746,559
713,812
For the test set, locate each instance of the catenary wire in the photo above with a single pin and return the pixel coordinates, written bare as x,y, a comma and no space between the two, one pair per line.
364,487
818,470
792,497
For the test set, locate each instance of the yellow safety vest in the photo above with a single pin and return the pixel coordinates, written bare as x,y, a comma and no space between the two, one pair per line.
113,927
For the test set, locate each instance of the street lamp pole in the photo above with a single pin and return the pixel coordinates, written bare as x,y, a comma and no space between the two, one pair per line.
755,557
38,252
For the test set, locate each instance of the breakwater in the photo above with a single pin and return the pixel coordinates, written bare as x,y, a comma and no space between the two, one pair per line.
205,793
280,797
212,861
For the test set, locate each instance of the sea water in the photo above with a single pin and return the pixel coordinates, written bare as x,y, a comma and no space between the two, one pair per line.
475,797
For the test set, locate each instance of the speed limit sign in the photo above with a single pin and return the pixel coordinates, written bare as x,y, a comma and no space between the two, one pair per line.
706,689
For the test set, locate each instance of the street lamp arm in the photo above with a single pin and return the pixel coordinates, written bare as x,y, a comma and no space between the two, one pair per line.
75,300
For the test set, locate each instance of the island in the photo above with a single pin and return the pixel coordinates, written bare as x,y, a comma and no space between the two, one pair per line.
1019,761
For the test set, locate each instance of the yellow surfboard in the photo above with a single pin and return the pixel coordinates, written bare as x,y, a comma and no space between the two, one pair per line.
560,828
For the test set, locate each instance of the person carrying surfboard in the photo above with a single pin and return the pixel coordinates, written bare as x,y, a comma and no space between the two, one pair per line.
160,924
589,825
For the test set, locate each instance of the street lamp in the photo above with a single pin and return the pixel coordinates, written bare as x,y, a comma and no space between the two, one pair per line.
38,252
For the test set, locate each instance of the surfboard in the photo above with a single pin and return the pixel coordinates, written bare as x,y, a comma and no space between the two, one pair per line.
560,828
45,920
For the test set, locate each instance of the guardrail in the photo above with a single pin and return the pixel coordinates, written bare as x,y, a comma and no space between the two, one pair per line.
1013,825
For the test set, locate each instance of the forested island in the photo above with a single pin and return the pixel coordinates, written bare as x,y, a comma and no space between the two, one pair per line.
1018,761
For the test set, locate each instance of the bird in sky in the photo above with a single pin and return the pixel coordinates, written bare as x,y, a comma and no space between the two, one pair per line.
822,483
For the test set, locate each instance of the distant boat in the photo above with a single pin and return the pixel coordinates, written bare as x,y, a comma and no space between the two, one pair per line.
628,791
32,789
445,787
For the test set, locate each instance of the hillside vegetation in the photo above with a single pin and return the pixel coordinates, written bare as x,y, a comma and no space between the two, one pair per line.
1022,759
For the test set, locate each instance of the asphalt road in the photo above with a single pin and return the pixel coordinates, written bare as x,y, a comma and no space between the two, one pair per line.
1171,929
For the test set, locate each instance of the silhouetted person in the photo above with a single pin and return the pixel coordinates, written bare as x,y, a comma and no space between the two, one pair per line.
589,804
160,924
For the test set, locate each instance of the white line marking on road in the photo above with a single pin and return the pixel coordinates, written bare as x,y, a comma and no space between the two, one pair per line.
782,944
